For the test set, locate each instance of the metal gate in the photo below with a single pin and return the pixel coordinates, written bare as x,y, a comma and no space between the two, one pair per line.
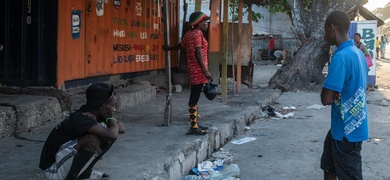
28,36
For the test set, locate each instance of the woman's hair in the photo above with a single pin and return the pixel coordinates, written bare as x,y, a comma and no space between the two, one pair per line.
358,34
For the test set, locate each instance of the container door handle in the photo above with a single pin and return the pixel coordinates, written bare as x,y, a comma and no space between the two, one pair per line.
89,58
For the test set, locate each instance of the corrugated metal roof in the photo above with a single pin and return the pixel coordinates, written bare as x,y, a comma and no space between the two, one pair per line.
365,13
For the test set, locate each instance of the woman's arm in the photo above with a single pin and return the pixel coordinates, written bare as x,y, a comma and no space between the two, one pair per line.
176,47
199,58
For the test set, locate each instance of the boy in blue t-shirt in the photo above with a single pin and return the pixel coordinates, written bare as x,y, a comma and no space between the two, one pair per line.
345,90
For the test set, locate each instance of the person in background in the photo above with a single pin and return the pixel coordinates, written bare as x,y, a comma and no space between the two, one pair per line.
78,142
345,89
356,38
280,56
383,46
377,45
271,48
196,47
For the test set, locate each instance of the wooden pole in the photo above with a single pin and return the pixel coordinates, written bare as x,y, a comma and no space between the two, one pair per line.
168,105
198,5
250,32
232,49
225,34
240,6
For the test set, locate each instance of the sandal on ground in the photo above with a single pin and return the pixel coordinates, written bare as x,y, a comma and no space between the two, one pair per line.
196,131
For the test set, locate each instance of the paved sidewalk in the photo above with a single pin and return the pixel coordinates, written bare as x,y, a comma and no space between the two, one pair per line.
148,150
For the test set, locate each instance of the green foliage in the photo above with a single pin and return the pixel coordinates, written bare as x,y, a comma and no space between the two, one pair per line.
284,7
273,7
233,7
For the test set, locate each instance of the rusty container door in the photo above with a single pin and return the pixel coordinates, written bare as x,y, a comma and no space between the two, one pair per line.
28,42
98,37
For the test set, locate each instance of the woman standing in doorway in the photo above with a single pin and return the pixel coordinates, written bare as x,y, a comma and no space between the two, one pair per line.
196,48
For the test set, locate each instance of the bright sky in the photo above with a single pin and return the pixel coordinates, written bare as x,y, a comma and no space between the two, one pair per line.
373,4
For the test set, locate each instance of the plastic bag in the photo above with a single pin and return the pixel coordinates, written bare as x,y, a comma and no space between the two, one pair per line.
210,91
369,61
229,172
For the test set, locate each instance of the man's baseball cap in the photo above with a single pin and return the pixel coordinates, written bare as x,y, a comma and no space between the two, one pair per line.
98,94
197,17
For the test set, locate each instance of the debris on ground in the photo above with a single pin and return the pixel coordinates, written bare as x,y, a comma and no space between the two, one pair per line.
375,139
223,154
384,103
243,140
217,169
268,110
286,112
284,116
316,106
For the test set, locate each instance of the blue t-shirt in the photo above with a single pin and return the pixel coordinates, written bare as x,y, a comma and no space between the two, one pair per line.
347,74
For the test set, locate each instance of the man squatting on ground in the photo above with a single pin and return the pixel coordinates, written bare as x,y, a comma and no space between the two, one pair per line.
78,142
344,89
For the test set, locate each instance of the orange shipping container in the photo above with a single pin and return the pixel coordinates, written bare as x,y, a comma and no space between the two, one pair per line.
101,37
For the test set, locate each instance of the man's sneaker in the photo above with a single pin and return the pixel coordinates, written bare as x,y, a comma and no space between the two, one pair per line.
96,175
196,131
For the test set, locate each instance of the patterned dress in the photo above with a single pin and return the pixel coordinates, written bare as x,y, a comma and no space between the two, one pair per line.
192,39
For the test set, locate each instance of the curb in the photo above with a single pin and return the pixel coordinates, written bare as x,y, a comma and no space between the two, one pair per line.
198,150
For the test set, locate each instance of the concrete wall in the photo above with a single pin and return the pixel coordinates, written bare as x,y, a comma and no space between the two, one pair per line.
25,113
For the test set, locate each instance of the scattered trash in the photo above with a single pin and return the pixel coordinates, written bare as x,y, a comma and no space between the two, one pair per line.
263,114
243,140
316,106
177,88
247,128
289,107
219,169
384,103
66,113
205,166
224,155
269,110
286,112
192,177
230,172
227,173
288,115
376,139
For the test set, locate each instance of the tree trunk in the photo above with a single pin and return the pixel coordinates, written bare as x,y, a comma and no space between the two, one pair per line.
304,71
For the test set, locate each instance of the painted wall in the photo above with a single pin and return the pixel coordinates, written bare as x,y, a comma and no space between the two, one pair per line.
246,44
101,37
272,23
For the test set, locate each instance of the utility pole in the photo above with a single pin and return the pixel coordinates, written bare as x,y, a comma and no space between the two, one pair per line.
168,102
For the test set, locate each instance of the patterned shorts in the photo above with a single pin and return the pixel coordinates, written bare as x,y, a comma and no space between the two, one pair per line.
64,159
